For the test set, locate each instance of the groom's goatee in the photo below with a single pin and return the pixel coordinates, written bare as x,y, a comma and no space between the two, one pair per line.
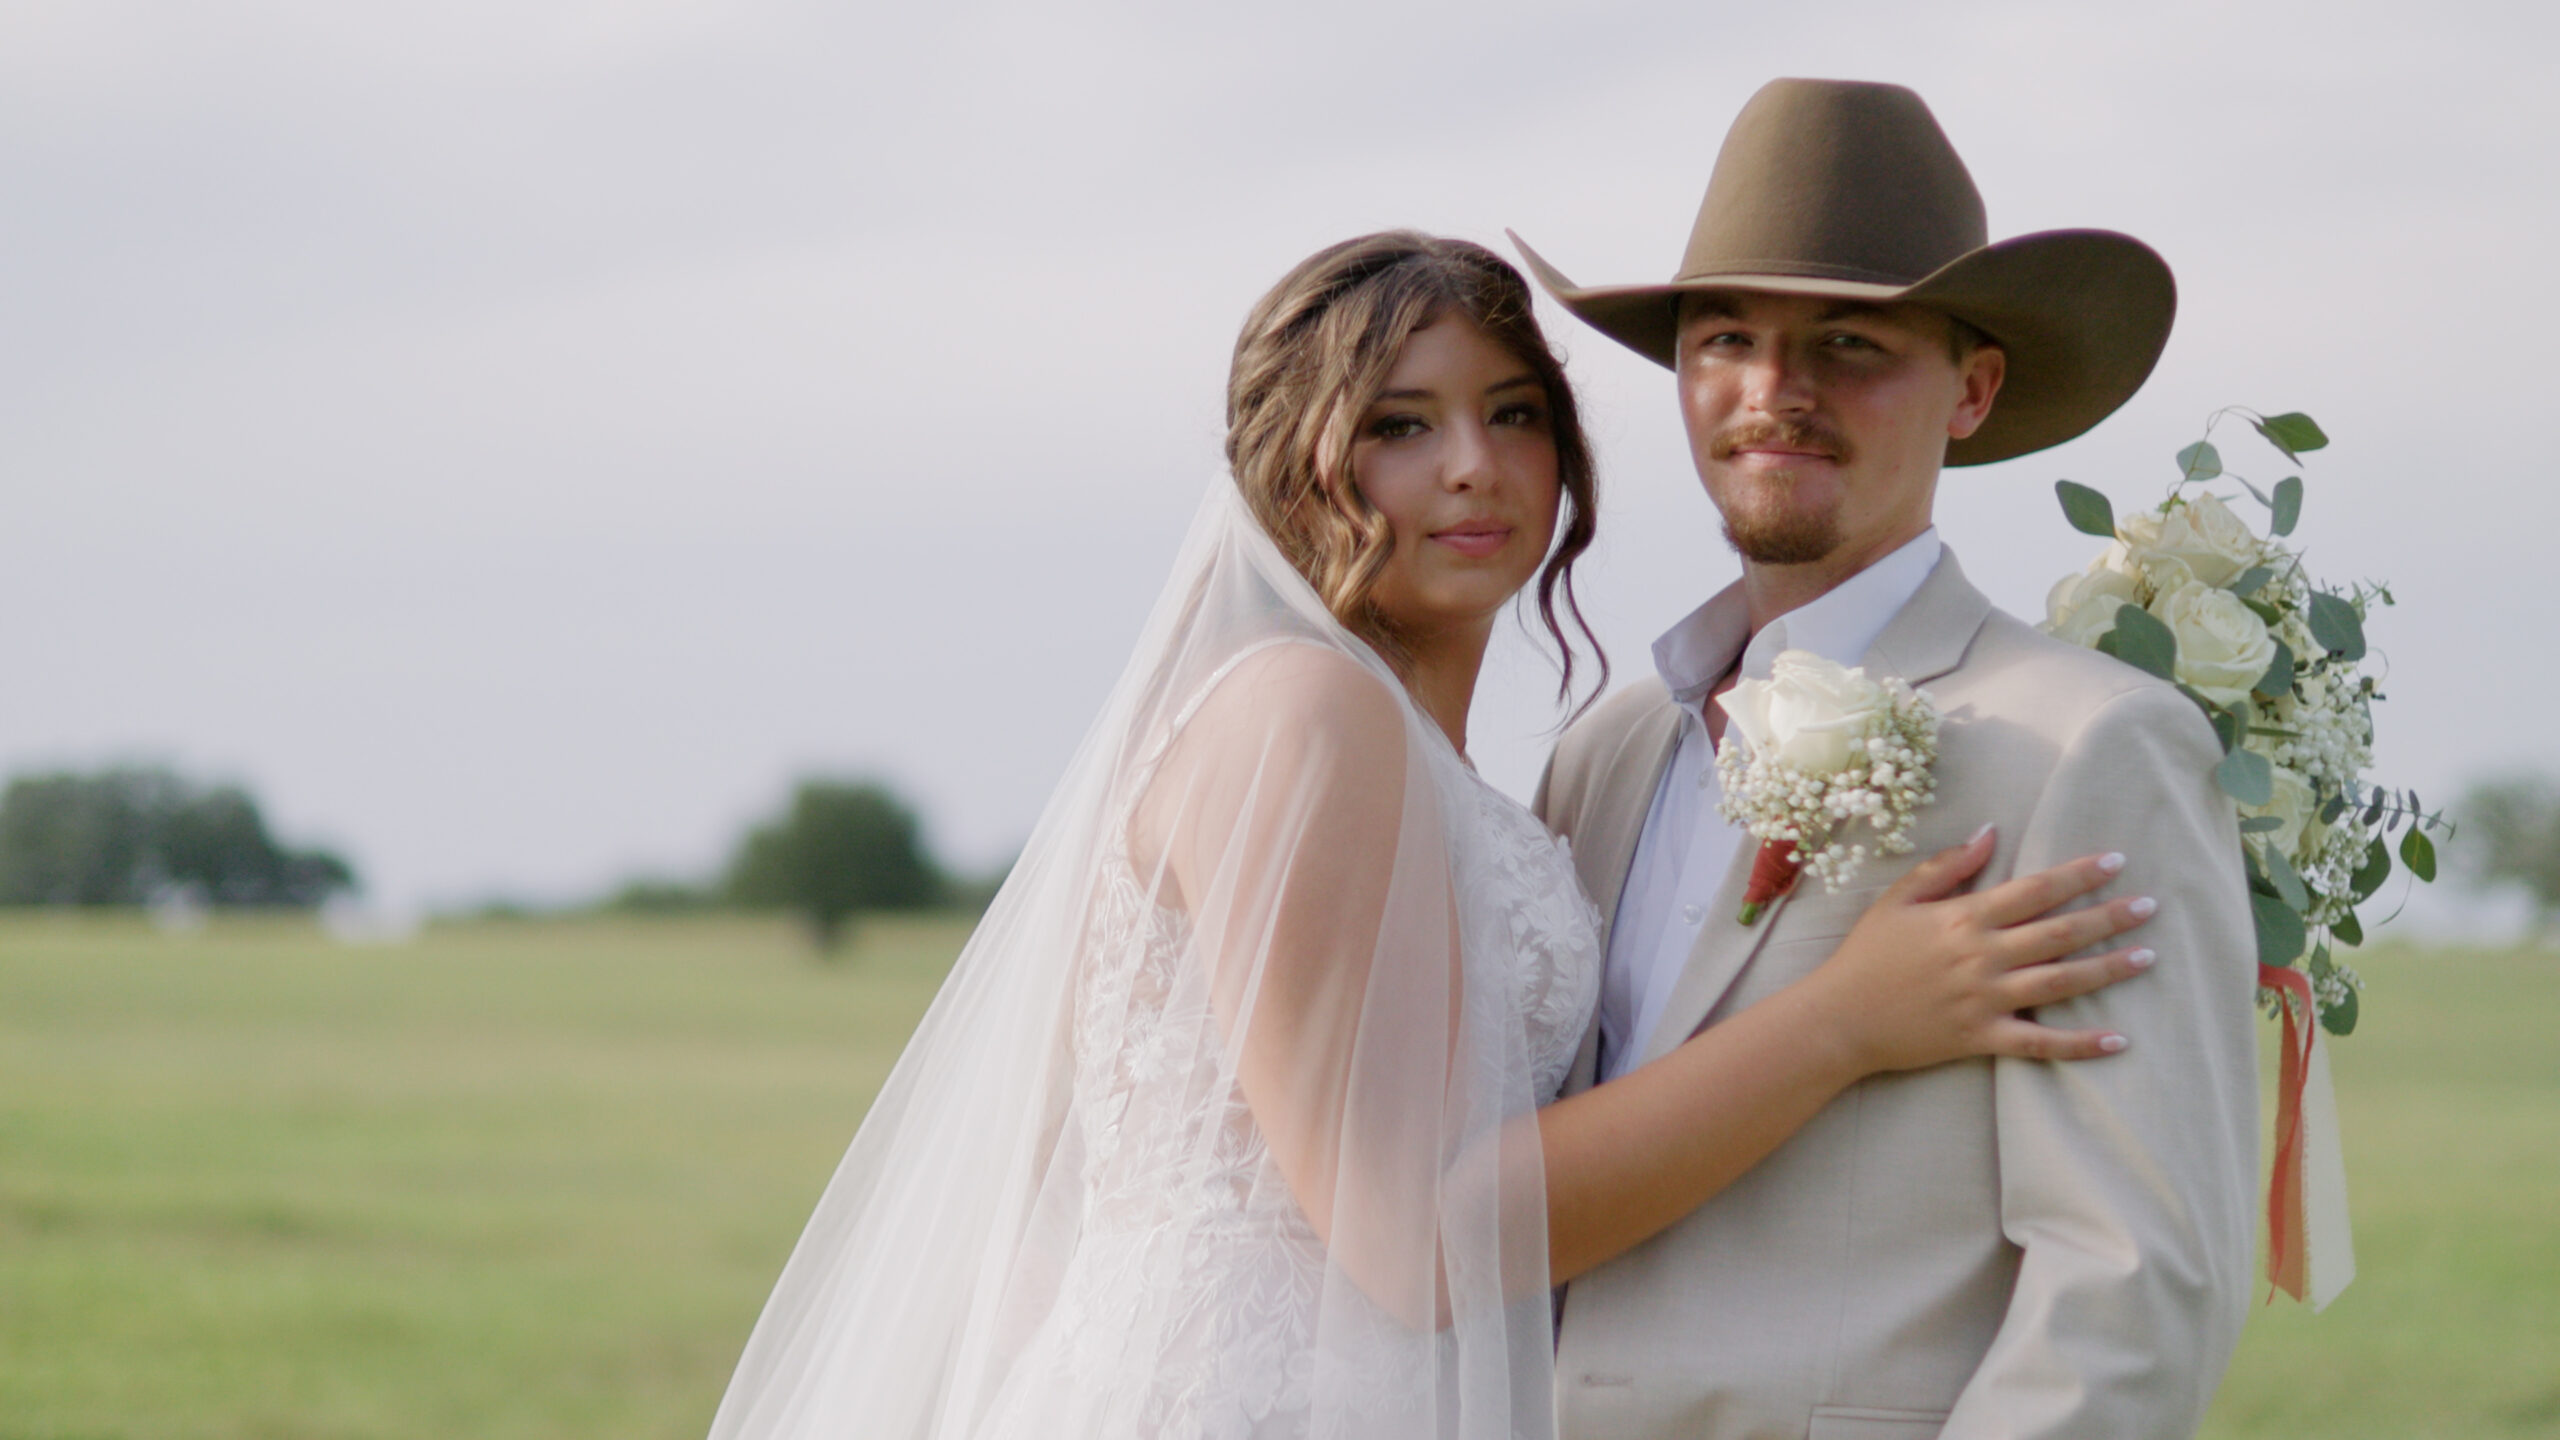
1782,535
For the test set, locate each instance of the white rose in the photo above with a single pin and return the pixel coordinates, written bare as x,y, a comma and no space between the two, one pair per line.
2083,607
2223,647
1807,712
2292,803
2202,537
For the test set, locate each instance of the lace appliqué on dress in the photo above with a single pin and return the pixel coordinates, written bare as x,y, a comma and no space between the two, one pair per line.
1190,1302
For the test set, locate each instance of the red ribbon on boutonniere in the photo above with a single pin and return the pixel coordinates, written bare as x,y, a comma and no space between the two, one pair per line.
1773,873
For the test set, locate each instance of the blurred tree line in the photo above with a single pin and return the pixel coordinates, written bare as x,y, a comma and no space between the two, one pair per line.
138,835
2511,840
838,849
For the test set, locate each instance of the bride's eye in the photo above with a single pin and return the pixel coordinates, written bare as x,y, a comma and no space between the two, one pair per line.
1524,413
1395,427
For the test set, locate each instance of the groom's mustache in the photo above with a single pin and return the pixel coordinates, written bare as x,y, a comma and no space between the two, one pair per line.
1811,435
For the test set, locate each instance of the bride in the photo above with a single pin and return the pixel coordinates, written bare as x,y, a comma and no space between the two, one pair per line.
1236,1117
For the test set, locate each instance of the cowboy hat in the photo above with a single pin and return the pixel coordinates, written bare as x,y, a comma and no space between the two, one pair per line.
1846,189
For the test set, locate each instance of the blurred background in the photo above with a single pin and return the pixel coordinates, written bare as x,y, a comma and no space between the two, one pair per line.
592,498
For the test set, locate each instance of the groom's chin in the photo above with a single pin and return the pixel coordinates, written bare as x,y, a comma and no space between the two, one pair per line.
1783,539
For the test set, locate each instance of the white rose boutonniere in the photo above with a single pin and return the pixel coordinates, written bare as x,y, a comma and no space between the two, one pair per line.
1814,752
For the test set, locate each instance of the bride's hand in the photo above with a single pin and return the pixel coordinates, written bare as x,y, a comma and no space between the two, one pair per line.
1928,975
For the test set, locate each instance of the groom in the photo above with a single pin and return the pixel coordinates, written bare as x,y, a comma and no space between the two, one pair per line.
1986,1249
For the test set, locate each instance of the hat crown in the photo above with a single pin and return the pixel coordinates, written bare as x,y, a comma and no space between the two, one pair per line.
1835,179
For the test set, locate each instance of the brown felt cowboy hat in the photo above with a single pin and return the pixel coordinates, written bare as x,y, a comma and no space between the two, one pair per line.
1841,188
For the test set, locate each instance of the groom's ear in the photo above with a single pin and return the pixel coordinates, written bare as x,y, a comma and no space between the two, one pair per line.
1979,375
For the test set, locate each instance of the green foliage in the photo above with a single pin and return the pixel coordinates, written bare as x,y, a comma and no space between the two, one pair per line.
2142,640
2278,681
2280,929
2285,510
2246,776
128,836
2336,625
2089,512
2514,824
2199,461
841,848
2292,432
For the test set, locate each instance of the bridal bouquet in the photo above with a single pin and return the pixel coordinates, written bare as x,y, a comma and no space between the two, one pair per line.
1825,749
2276,658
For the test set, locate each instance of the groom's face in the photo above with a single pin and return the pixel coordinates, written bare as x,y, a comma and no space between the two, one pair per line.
1819,425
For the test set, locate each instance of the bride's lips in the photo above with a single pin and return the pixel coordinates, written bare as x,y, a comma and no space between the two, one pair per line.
1477,539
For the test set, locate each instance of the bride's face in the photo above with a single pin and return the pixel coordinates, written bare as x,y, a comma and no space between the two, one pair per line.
1457,454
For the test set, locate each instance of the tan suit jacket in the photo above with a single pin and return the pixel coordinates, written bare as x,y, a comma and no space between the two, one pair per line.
1989,1248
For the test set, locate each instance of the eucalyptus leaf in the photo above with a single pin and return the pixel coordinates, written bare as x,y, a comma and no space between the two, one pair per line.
2252,578
2199,461
2255,873
2287,507
2419,854
2246,776
2261,824
2227,724
2144,642
2280,932
2292,432
2279,677
2089,512
2340,1019
2261,496
2265,611
2373,813
2347,929
2335,624
2370,875
2287,880
2332,808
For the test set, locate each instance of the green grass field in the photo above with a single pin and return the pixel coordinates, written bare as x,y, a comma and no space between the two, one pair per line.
534,1179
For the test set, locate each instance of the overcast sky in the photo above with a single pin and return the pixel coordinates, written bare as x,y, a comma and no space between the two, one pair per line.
515,436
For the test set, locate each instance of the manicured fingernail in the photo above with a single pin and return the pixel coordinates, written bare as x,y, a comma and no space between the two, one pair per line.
1978,834
2142,959
2111,1043
2111,862
2142,907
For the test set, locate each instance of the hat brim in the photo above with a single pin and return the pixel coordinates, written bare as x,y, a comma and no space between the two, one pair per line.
2082,314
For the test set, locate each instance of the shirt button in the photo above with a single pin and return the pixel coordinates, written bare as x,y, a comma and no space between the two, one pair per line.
1692,914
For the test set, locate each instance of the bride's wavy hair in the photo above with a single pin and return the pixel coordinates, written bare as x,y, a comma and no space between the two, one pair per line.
1314,355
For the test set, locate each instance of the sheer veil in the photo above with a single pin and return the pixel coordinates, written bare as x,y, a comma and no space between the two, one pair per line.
1216,1127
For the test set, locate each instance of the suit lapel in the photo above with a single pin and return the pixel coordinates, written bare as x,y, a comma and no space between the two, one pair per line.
1926,638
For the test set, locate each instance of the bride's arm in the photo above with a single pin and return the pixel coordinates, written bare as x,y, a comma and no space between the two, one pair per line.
1926,976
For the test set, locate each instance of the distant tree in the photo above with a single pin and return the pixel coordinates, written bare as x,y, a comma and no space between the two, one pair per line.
2511,836
651,895
840,849
124,836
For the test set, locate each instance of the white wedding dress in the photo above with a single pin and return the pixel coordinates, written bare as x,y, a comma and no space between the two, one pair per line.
1172,1155
1254,1161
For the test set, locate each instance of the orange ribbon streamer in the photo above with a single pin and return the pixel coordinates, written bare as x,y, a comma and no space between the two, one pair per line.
2286,1267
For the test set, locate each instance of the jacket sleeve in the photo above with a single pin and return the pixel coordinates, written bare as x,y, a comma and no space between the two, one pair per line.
2128,1181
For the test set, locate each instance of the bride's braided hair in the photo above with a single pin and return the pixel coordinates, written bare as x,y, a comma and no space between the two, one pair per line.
1316,352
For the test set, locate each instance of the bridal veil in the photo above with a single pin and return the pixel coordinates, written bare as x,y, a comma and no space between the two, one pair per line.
1222,1123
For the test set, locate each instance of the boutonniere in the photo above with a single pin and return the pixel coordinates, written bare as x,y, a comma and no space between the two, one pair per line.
1825,767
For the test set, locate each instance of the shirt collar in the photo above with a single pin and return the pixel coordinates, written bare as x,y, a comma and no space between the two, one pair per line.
1839,625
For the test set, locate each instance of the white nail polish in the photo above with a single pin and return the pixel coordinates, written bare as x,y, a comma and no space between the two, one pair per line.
1976,838
2112,1044
2111,862
2143,907
2143,959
